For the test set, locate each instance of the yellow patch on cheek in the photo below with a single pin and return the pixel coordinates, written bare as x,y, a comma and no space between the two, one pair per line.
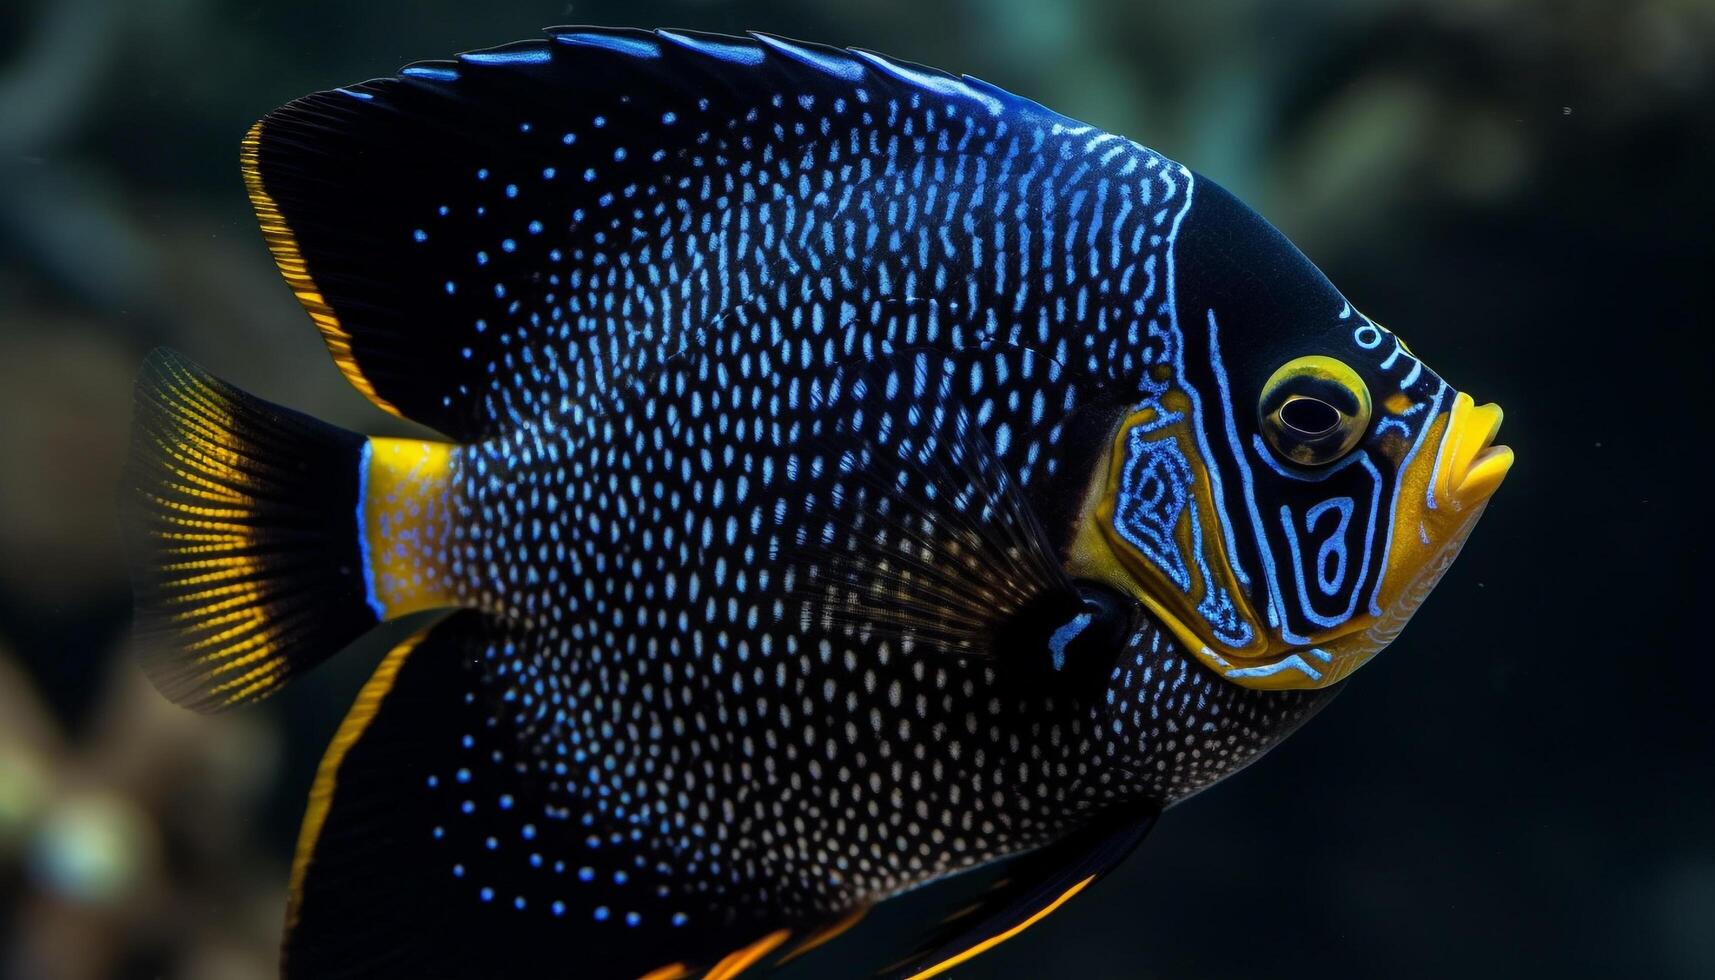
1100,553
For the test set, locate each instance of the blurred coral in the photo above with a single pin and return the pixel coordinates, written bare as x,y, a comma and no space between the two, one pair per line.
137,831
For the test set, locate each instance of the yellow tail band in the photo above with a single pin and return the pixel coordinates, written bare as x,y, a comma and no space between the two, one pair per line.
405,524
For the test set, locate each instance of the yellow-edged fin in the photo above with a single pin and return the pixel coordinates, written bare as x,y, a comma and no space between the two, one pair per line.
355,193
375,690
1034,887
243,544
742,959
995,940
395,874
284,246
826,934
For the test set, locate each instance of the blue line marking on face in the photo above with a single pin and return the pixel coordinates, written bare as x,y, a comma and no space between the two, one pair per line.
1435,476
1154,490
1412,375
1298,571
1155,493
1392,422
1293,662
1209,465
1329,585
1277,608
1217,607
1393,504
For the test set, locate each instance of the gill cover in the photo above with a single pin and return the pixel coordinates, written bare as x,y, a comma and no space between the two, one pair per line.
1286,499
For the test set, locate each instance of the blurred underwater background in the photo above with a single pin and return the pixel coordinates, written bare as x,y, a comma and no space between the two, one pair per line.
1523,785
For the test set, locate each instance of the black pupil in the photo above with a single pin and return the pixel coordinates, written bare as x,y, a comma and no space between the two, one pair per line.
1311,416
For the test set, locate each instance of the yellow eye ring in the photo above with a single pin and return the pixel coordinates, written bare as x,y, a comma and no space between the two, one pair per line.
1313,410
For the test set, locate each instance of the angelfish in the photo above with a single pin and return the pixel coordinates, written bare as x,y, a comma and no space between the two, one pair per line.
852,474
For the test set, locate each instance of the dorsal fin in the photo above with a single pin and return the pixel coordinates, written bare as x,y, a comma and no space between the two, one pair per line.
445,227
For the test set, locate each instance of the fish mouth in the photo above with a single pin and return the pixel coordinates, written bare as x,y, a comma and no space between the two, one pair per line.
1471,466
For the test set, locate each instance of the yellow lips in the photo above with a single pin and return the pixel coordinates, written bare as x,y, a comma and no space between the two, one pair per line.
1470,467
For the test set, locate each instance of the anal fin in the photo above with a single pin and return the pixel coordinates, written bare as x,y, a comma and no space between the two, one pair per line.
439,843
1034,887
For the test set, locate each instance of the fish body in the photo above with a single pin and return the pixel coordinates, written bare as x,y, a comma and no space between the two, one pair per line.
854,475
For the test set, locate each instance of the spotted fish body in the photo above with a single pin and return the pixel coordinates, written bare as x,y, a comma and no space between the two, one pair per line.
789,387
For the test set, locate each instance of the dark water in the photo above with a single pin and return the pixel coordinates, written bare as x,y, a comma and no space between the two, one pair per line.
1522,785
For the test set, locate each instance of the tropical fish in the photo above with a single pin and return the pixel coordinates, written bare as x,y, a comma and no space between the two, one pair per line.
853,474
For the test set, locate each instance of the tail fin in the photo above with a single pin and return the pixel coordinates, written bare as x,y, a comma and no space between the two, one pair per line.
244,523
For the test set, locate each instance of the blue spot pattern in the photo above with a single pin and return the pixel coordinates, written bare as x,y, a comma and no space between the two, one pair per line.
663,378
661,729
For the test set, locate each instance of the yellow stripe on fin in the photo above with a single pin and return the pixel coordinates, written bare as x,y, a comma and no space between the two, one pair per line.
375,690
284,247
996,940
741,960
826,934
242,527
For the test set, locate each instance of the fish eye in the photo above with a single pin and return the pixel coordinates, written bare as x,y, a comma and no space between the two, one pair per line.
1313,410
